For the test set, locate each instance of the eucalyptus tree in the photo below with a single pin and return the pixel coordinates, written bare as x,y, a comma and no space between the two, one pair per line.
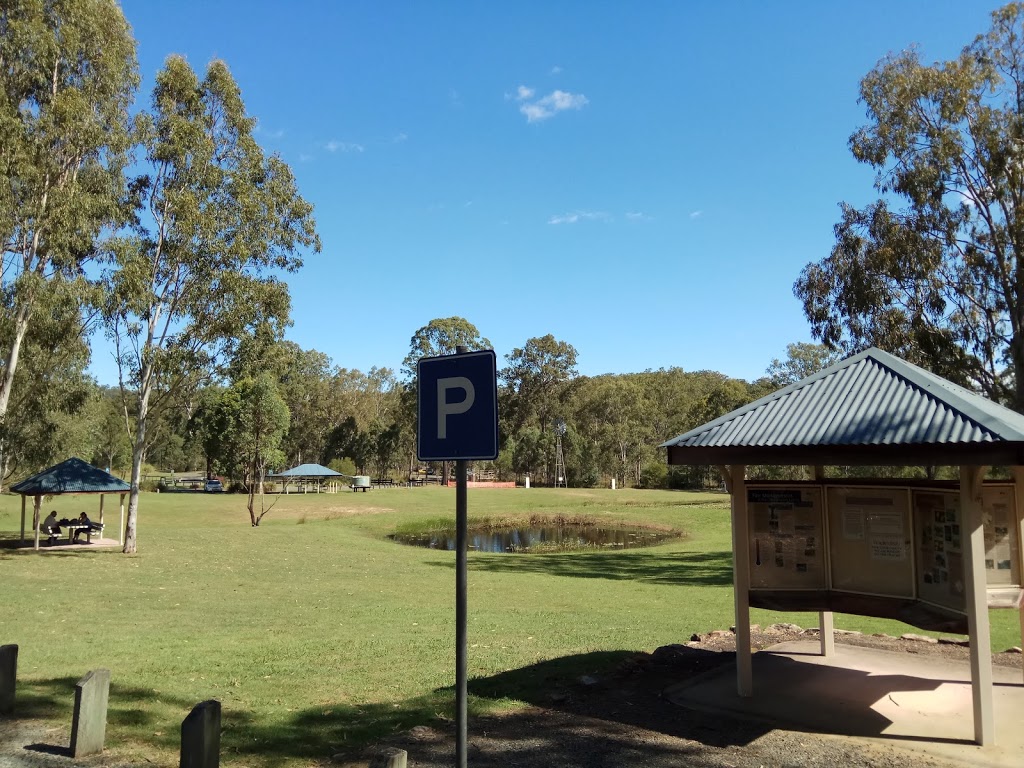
535,379
261,425
217,224
934,269
67,78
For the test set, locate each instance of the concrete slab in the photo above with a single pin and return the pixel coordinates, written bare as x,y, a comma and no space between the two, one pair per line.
917,701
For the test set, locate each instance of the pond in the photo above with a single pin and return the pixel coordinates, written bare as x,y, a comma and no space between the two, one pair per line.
542,538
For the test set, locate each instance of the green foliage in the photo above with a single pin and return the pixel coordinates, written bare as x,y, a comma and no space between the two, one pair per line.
441,337
938,280
67,76
801,361
216,223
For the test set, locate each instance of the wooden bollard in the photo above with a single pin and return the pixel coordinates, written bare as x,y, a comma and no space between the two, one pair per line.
390,758
200,736
89,723
8,677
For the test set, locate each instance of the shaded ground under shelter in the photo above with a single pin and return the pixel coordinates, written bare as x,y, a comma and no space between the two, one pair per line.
71,477
932,554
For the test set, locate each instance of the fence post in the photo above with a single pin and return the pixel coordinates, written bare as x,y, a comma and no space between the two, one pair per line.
200,736
8,677
89,723
390,758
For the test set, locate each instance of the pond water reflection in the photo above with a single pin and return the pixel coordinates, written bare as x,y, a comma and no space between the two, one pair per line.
542,539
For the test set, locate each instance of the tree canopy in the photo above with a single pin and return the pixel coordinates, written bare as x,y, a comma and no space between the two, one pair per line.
932,270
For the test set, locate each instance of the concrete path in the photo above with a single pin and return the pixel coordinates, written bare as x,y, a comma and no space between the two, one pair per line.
901,699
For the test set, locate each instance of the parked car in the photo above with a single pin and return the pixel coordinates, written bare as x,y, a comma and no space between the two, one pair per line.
214,486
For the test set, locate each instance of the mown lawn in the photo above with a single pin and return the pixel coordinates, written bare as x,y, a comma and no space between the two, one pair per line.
317,633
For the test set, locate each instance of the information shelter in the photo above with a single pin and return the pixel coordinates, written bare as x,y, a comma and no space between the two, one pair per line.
935,555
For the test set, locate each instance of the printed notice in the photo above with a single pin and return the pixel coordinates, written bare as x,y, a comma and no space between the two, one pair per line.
886,523
853,523
888,548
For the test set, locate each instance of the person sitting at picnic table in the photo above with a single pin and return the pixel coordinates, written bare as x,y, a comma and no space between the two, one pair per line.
89,526
51,526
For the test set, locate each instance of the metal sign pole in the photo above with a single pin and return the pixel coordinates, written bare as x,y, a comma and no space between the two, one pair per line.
461,713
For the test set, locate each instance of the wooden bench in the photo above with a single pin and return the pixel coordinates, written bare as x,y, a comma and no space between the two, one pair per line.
384,482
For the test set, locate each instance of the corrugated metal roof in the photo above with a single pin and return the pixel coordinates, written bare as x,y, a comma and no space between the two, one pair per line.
870,399
309,470
71,476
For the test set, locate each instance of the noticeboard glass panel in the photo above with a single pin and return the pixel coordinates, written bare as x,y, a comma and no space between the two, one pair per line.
870,541
999,514
786,538
940,560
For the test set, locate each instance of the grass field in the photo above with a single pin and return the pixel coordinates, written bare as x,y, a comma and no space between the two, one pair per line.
317,633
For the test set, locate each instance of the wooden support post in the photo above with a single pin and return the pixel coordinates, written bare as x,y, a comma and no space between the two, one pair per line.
8,677
200,736
89,724
741,578
23,519
826,624
1018,501
102,497
35,517
826,634
971,524
390,758
120,528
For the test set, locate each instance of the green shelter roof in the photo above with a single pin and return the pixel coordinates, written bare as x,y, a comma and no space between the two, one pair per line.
871,408
70,476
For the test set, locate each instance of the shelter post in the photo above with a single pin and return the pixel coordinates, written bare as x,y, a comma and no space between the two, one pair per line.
35,517
1018,495
102,496
977,603
741,577
826,623
22,519
120,529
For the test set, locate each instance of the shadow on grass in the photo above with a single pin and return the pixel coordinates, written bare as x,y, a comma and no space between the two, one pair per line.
701,569
573,718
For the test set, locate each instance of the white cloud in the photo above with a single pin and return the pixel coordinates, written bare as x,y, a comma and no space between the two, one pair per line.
304,158
696,214
524,92
399,137
552,104
555,70
578,216
638,216
343,146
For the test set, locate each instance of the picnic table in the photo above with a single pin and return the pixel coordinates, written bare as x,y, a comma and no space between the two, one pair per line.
71,528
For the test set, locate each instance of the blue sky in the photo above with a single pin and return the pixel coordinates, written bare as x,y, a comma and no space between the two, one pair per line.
643,180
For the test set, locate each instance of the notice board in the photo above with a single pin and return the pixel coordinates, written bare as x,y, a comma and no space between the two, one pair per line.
1002,567
940,571
870,541
786,538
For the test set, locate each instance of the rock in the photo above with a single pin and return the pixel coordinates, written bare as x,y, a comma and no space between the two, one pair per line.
846,632
954,641
719,633
1015,649
694,638
693,644
668,654
587,680
423,733
753,628
918,638
882,635
784,627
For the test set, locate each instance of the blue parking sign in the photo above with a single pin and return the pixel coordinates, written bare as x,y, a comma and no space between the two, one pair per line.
458,407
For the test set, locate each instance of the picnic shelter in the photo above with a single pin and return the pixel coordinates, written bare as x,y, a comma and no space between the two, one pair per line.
72,476
933,554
